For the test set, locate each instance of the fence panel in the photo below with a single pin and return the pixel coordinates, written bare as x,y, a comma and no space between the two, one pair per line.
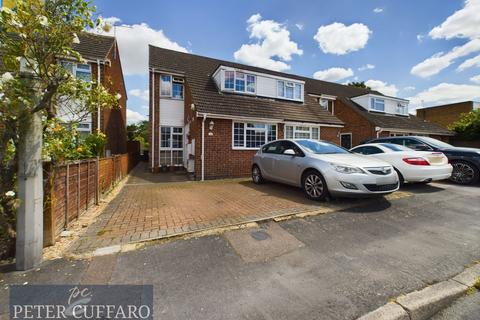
79,185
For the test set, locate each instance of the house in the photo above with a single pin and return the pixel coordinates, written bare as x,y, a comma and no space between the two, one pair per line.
447,114
101,64
372,115
211,116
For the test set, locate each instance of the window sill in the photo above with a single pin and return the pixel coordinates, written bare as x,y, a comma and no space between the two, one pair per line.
244,148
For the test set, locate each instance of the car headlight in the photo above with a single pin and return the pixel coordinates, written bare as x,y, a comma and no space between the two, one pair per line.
346,169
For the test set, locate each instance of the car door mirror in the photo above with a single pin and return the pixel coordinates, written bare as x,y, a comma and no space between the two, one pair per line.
290,152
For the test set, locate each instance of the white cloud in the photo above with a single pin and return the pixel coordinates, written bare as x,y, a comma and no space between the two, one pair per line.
378,10
445,93
462,24
139,93
475,79
133,41
440,61
134,116
409,88
273,46
472,62
299,26
420,37
337,38
368,66
333,74
382,87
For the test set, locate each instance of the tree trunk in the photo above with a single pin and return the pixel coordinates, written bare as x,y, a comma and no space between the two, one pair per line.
30,191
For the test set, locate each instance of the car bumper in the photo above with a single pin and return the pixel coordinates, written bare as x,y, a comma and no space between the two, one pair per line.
353,185
429,173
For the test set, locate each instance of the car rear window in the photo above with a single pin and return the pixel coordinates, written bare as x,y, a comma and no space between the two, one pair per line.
394,147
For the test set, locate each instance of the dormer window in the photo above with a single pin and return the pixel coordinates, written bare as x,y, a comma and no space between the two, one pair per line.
289,90
402,109
239,81
377,104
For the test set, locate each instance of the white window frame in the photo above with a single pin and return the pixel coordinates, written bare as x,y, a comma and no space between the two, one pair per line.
373,102
266,124
170,147
75,68
234,89
400,107
295,130
169,95
177,80
290,84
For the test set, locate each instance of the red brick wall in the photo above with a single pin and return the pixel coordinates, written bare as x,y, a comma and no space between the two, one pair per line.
221,160
445,115
360,128
154,120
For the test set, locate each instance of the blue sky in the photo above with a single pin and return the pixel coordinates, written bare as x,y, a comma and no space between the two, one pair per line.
404,48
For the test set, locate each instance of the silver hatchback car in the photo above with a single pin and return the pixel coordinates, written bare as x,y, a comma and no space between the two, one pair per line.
322,168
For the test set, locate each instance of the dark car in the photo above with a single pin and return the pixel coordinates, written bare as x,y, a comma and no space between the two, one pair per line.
465,161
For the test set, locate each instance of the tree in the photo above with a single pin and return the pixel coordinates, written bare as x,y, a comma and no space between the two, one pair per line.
468,126
139,132
35,39
359,84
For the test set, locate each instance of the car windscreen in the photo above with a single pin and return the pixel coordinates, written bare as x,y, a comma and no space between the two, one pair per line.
436,143
320,147
395,147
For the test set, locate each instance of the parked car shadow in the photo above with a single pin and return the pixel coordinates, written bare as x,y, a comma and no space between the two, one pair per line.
378,205
421,188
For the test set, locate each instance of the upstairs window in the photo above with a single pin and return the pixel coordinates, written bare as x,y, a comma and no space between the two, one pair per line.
177,88
377,104
239,81
79,70
402,109
229,80
165,85
289,90
250,83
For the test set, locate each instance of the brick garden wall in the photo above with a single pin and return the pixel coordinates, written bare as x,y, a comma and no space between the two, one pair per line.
79,185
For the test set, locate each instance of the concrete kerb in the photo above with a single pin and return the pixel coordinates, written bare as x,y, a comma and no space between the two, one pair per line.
423,304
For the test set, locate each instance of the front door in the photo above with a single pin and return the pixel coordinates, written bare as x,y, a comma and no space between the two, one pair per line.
346,140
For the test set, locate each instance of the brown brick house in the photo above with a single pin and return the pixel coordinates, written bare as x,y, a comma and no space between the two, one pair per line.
210,116
447,114
101,54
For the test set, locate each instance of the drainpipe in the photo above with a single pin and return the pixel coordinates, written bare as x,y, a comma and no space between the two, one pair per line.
379,130
98,83
152,147
203,146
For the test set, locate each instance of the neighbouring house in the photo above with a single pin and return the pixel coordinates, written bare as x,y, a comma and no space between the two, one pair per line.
447,114
371,115
210,116
101,64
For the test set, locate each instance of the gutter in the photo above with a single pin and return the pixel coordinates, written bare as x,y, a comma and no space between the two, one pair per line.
380,129
98,83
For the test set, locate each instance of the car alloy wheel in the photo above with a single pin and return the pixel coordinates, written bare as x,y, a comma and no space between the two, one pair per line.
257,175
314,186
463,172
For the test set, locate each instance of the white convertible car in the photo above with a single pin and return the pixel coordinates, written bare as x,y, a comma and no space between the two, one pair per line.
411,165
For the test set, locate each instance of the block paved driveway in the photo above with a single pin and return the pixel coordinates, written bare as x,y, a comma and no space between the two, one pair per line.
153,206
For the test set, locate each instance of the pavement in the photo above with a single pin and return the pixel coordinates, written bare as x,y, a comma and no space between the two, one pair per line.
340,265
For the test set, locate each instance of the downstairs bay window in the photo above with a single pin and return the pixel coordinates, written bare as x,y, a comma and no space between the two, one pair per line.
249,135
302,132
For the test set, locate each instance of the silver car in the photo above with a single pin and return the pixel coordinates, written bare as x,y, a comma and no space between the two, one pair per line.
322,168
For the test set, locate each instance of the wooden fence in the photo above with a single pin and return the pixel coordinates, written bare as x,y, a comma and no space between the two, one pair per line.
79,185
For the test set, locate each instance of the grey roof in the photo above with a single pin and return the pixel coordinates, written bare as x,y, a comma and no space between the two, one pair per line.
94,46
198,71
386,121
